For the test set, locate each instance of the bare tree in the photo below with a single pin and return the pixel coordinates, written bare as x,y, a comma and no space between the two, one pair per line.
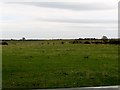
104,37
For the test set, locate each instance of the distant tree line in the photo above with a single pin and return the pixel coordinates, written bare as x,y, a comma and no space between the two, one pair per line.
95,41
103,40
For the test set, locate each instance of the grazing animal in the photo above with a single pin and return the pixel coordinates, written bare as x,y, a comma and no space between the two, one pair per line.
3,43
86,42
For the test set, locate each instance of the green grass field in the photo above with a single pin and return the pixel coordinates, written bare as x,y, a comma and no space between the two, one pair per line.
50,64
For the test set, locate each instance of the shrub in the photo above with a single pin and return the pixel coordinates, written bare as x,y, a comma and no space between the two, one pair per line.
42,43
114,41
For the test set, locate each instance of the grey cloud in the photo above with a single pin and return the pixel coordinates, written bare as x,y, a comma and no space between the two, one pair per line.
69,5
76,20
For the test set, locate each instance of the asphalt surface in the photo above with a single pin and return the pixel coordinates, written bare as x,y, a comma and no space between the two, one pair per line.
89,88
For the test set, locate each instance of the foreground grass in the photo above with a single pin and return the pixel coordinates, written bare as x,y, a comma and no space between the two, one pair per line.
30,64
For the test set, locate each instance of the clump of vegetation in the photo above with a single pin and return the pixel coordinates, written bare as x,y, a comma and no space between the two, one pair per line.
42,43
86,56
114,41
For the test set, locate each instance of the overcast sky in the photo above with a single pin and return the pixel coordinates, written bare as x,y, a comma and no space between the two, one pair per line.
48,19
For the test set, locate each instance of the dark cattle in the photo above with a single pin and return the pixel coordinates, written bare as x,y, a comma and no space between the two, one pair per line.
98,43
86,42
62,42
3,43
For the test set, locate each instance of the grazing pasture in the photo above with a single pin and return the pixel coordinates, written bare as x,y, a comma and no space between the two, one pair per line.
58,64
